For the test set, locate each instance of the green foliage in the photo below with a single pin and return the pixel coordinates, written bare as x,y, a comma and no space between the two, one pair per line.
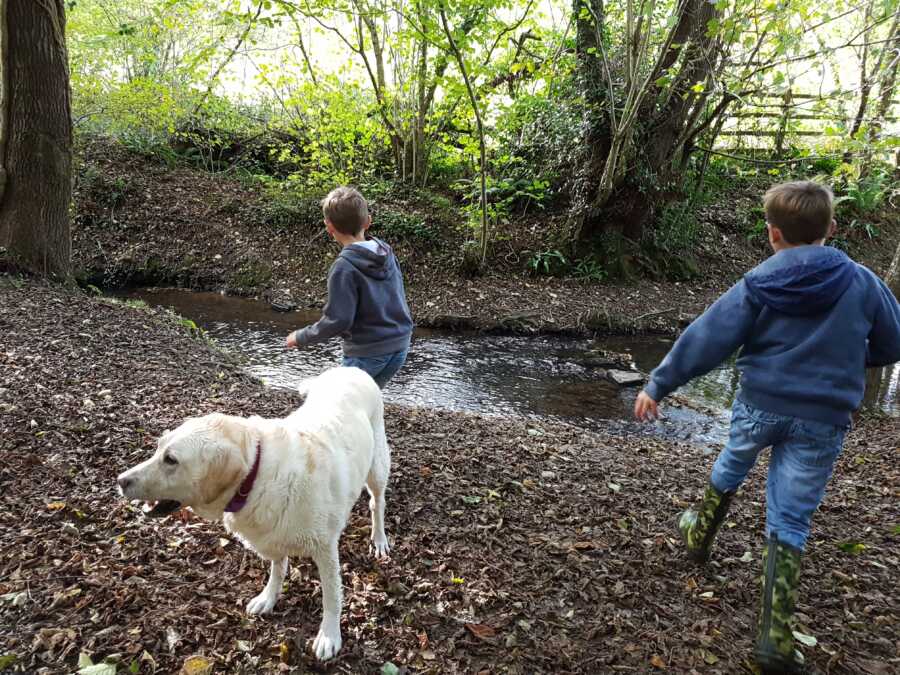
106,191
300,97
399,226
287,208
676,227
547,263
859,194
589,269
538,136
756,224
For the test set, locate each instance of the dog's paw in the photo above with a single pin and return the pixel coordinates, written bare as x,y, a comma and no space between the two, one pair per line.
380,549
326,646
261,604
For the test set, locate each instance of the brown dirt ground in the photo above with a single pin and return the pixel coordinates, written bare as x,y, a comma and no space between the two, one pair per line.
517,547
141,223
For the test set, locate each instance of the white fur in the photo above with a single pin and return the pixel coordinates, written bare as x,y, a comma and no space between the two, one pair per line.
313,465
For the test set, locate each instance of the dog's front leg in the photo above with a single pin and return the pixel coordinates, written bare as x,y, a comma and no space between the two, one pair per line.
265,601
328,641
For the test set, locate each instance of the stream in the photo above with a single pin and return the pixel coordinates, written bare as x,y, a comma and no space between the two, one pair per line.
541,377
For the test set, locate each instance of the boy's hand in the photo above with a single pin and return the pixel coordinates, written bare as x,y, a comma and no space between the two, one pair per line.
291,341
645,408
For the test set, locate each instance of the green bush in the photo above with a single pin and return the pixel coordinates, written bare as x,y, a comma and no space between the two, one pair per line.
547,263
406,227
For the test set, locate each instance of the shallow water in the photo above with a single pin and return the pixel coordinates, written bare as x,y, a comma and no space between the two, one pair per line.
541,377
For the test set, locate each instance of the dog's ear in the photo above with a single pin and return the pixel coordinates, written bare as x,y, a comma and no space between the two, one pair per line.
229,462
163,438
224,474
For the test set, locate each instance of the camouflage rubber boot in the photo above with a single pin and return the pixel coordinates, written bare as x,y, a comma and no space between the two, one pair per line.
775,641
698,526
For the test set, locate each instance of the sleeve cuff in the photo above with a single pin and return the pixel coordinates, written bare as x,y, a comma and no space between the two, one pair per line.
654,391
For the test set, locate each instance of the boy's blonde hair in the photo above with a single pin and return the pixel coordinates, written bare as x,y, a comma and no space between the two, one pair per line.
802,210
346,209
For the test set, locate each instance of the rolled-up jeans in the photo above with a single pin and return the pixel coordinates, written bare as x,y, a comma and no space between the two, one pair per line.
803,456
381,368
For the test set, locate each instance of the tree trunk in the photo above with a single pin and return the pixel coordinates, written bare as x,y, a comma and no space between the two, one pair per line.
585,220
654,127
473,99
888,80
35,136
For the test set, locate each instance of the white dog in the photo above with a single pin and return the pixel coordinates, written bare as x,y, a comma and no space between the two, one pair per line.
284,486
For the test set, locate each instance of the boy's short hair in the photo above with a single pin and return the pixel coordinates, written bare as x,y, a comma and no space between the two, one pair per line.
803,210
346,209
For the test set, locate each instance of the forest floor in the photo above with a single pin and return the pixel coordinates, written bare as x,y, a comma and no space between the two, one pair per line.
140,222
518,547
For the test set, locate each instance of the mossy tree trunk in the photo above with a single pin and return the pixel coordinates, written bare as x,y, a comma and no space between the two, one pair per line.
35,136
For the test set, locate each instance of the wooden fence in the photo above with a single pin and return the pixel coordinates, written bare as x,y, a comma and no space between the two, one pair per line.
779,117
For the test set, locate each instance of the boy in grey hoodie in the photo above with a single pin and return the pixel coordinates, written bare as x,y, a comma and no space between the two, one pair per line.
808,322
366,300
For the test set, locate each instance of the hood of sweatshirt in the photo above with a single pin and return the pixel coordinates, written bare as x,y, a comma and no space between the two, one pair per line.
374,264
802,281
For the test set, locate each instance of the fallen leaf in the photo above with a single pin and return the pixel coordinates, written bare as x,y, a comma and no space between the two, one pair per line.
56,506
481,631
172,638
708,657
852,547
98,669
196,665
389,669
803,638
657,662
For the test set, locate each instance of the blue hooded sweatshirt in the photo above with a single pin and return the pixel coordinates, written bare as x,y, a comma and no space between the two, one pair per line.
808,322
366,304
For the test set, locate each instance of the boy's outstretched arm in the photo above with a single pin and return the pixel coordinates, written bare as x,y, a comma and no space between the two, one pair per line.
338,314
705,344
884,338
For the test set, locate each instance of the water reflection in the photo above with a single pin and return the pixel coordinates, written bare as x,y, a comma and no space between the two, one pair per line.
548,377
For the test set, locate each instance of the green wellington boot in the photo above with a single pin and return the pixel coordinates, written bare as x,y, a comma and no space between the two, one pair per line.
775,651
698,526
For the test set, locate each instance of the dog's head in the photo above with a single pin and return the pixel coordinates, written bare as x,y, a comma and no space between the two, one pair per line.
199,464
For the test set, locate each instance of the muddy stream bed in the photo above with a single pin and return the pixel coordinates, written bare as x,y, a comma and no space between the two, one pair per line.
541,377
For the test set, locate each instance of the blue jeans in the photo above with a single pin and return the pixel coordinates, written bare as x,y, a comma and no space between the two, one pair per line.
801,463
381,368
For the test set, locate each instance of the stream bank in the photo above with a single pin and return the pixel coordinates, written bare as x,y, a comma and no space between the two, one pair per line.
142,223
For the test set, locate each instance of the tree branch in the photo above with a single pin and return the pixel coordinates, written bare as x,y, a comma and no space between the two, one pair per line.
227,60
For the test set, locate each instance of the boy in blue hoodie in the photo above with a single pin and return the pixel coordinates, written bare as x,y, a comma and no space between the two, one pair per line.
808,322
366,300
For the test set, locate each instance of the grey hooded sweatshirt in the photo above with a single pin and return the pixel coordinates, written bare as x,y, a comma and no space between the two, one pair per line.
366,304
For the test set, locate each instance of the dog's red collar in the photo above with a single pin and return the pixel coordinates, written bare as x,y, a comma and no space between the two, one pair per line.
239,500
